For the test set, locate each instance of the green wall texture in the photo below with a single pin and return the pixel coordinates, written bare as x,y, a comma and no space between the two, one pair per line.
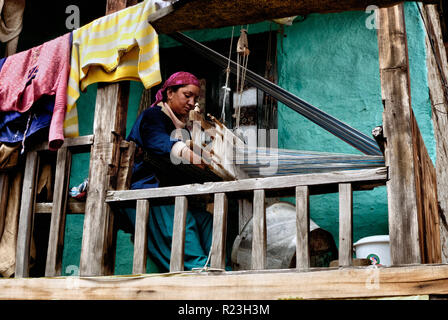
329,60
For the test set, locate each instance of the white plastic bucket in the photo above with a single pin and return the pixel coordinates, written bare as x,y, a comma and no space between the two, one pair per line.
374,248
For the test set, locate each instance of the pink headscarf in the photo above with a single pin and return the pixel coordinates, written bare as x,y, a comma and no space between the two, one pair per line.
176,79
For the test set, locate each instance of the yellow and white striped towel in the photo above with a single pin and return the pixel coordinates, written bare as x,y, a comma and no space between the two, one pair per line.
116,47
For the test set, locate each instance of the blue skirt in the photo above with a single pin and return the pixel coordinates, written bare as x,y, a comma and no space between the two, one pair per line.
198,235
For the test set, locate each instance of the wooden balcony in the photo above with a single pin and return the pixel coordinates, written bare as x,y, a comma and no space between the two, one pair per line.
412,197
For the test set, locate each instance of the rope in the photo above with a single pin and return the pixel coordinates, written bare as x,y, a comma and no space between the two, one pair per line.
22,151
242,51
226,87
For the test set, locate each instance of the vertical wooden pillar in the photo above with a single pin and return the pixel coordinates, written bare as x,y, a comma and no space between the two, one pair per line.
178,240
4,191
218,256
303,260
97,250
259,240
395,90
411,189
58,211
245,213
437,64
345,224
141,237
26,216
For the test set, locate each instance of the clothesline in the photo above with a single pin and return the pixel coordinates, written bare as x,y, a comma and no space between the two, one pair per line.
119,46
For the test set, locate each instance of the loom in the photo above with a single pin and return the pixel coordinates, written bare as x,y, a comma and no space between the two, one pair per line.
229,158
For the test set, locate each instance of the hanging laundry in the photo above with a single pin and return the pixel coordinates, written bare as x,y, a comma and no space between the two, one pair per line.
42,70
11,16
9,153
116,47
2,61
9,156
8,239
16,126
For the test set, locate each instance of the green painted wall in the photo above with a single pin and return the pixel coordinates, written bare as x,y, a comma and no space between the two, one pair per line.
328,60
331,61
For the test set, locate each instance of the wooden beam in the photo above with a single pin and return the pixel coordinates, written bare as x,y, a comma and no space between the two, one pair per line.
141,237
437,65
259,239
345,225
303,228
109,128
205,14
74,143
395,87
126,165
218,255
269,183
116,5
25,230
245,213
267,285
73,207
178,240
4,191
58,212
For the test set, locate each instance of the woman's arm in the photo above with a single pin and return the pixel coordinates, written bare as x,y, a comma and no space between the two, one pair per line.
182,152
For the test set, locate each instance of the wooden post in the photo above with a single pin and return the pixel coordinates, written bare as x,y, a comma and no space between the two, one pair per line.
345,224
437,64
178,241
303,227
97,250
4,191
58,212
245,213
410,205
218,256
26,215
141,237
395,87
259,243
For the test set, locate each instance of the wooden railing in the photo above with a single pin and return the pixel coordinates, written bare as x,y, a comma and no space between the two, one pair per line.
60,204
302,186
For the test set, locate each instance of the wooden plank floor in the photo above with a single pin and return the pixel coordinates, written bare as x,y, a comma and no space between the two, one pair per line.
353,282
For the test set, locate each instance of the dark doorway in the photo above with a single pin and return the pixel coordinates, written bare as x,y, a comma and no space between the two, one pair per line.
260,112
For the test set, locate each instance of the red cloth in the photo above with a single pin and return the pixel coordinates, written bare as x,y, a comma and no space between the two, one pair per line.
176,79
28,75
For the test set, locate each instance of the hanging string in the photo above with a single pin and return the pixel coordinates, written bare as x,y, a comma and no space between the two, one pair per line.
28,122
242,61
226,87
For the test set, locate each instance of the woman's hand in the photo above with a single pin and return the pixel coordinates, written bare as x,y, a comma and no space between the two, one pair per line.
193,158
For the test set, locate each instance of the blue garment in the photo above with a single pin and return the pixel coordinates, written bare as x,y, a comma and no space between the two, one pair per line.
198,236
151,132
13,124
2,62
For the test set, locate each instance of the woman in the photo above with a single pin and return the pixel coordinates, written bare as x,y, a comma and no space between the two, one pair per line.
153,132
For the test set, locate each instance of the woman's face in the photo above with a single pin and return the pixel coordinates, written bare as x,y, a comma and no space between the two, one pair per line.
183,100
